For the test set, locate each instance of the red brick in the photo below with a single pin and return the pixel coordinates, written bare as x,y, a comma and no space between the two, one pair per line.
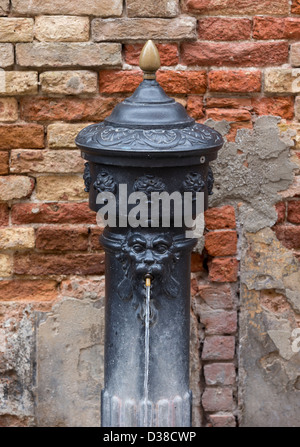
216,28
216,296
293,214
73,213
94,239
296,7
197,262
53,264
223,270
222,420
218,347
26,136
113,81
195,106
236,81
281,210
217,399
268,28
168,53
219,322
219,374
67,109
4,214
228,114
242,54
183,82
28,290
289,235
218,218
230,103
234,127
4,160
238,7
221,243
279,106
62,239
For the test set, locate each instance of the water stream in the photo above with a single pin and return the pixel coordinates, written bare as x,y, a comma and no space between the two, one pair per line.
146,372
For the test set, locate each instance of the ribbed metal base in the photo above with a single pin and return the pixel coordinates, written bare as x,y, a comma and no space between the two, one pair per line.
117,412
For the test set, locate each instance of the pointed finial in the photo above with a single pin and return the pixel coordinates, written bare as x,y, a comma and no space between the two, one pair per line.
149,60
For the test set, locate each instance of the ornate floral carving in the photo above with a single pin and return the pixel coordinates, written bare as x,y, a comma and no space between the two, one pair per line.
210,181
101,135
193,182
149,183
87,177
105,183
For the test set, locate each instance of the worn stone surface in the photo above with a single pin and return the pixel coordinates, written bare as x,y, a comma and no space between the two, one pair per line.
148,8
101,8
5,265
8,109
183,27
4,7
282,80
6,55
69,82
62,135
15,187
18,82
252,171
16,30
16,238
55,187
62,28
295,54
70,349
48,161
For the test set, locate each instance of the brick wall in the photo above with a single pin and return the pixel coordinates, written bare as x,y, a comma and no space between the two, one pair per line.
65,65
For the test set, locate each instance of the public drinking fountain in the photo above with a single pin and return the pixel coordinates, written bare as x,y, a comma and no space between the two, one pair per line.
147,148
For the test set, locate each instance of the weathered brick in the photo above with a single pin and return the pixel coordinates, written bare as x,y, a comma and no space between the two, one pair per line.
281,211
289,235
28,290
217,399
148,8
4,214
236,81
182,82
54,264
230,103
8,109
81,288
100,8
238,7
4,163
216,296
223,270
62,213
127,30
65,54
6,265
45,161
293,211
21,135
16,29
4,7
18,82
219,322
296,6
297,106
218,347
62,28
221,243
112,81
276,28
7,57
168,53
195,106
218,218
62,239
16,238
279,106
282,80
67,109
15,187
222,420
64,188
235,127
197,262
295,53
217,374
243,54
69,82
62,135
94,238
228,114
216,28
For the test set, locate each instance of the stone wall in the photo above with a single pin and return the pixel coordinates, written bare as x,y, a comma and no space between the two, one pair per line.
233,64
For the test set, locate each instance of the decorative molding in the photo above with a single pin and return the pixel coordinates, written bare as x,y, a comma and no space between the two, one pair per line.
87,177
149,183
193,182
105,136
105,183
210,181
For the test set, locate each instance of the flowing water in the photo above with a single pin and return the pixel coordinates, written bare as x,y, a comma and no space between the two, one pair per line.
146,373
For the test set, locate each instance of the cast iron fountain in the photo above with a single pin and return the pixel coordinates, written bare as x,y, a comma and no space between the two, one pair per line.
150,145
